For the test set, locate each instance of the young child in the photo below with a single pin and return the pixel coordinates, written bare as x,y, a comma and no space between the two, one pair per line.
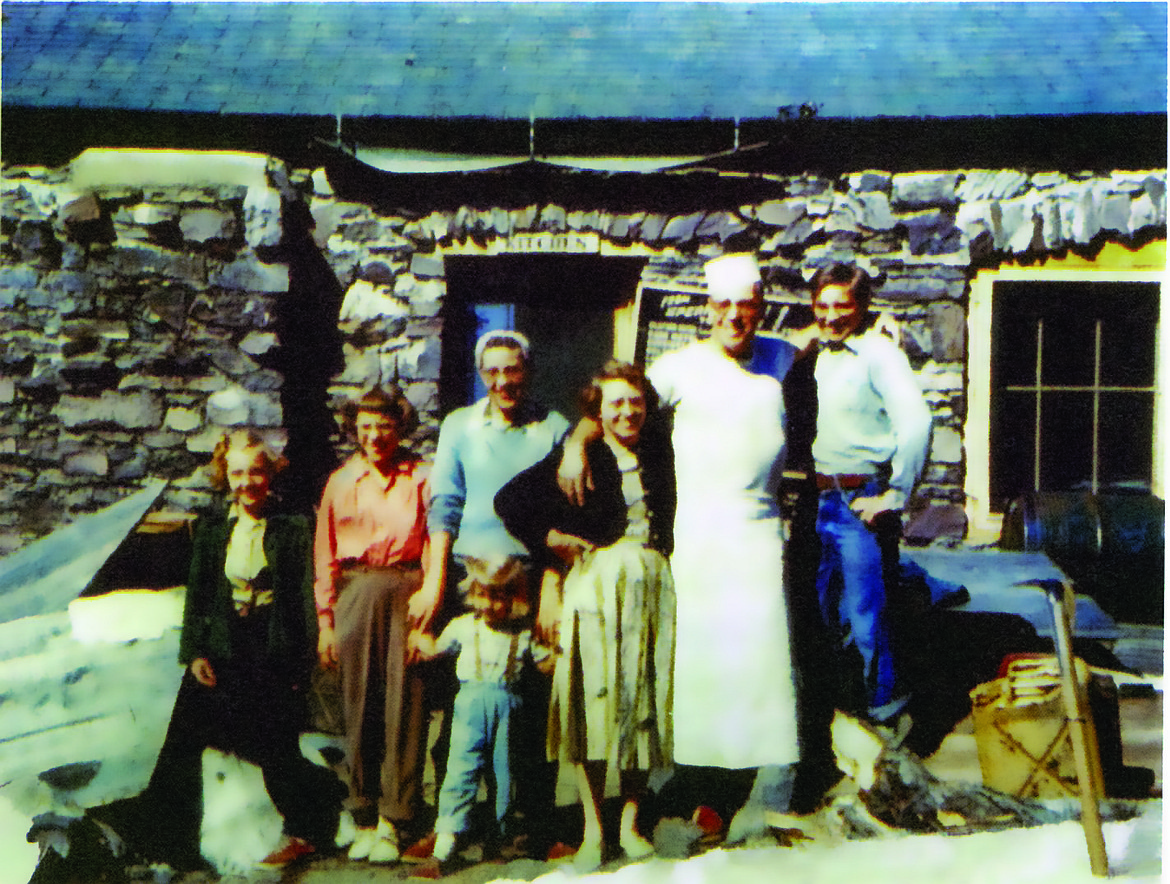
493,644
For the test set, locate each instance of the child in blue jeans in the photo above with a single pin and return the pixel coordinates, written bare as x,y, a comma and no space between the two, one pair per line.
493,645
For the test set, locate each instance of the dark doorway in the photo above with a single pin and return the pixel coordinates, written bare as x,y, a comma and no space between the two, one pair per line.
564,304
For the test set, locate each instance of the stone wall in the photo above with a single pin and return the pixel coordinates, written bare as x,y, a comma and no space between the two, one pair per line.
137,297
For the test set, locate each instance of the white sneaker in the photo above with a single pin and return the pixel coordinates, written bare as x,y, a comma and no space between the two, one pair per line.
363,843
385,849
444,846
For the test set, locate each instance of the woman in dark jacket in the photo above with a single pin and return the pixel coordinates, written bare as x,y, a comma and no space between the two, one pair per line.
610,714
249,643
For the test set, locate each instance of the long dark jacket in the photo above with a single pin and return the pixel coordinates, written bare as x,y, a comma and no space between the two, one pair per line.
209,613
531,503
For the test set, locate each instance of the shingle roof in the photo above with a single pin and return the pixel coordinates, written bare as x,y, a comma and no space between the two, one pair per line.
617,60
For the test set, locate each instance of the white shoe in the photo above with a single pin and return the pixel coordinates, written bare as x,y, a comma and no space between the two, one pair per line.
385,849
444,846
363,843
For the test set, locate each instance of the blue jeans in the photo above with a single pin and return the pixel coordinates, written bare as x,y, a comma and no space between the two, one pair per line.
851,590
479,734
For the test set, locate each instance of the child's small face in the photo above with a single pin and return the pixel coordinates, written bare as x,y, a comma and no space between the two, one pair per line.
498,609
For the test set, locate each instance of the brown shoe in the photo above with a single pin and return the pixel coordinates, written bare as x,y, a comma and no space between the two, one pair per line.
420,851
428,869
293,850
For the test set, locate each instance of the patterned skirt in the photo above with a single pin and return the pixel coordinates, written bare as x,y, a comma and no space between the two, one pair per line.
613,683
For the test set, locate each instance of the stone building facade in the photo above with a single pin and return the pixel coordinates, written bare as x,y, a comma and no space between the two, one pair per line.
148,299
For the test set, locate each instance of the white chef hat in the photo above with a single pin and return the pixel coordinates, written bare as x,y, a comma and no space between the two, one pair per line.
731,274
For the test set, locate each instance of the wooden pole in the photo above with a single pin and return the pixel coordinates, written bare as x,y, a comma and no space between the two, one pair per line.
1081,730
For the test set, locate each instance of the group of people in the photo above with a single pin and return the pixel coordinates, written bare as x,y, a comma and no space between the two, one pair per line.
637,557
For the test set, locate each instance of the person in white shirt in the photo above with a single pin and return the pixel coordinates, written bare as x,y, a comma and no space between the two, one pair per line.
873,434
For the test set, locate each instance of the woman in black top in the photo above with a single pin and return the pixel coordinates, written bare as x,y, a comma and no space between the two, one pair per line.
610,713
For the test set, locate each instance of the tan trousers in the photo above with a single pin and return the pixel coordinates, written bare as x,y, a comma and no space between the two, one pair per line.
382,698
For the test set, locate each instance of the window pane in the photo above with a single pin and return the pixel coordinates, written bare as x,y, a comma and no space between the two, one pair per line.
1125,439
1068,343
1129,325
1013,418
1066,441
1013,337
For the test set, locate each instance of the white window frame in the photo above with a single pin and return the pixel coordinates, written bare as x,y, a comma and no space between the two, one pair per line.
983,526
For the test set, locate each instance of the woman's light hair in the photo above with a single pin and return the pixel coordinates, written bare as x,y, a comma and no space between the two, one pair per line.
241,440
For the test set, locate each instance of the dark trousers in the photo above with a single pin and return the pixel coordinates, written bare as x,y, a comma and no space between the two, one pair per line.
254,713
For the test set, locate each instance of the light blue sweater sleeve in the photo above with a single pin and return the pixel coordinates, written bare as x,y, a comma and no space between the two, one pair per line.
448,485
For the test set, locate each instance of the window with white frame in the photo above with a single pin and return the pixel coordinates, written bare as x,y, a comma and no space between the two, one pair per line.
1072,387
1064,385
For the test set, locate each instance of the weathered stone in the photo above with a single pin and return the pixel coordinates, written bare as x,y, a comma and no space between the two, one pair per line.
523,219
940,378
203,442
184,420
931,232
1014,226
780,213
721,225
1079,214
946,445
162,439
133,467
1047,210
928,284
920,189
84,208
258,343
426,264
16,281
1046,180
234,406
228,407
682,228
7,390
321,185
203,224
554,218
1114,213
249,274
948,324
875,211
87,463
650,228
262,226
805,186
578,219
365,301
991,184
1130,183
230,360
362,367
869,181
420,360
263,381
136,410
1143,213
109,329
146,259
795,234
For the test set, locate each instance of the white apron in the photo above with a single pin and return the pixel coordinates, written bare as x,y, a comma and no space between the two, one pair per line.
734,695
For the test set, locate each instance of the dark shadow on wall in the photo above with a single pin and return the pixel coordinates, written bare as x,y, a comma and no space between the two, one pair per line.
308,356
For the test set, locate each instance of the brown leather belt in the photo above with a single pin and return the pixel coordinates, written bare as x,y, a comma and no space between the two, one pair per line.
842,481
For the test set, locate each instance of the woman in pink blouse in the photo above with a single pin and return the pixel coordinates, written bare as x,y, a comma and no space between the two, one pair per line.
370,541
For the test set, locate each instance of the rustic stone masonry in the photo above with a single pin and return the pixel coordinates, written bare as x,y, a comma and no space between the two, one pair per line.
136,306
